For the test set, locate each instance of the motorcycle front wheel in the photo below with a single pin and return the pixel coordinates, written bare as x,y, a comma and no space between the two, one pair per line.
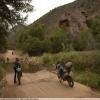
70,81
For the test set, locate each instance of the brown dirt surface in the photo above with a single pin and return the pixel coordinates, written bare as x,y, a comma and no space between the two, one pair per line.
44,84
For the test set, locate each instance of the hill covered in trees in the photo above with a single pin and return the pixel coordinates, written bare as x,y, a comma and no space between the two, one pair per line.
74,26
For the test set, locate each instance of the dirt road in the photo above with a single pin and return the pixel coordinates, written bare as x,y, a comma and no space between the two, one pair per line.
44,84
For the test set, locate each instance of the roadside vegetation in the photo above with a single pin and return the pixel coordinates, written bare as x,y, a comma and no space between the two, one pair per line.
35,40
3,69
86,65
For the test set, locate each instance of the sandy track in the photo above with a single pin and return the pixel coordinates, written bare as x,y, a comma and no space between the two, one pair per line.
44,84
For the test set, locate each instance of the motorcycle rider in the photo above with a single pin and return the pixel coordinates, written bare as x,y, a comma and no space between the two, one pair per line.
68,67
60,70
17,70
64,73
19,74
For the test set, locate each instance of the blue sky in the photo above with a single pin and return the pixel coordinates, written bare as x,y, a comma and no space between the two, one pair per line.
41,7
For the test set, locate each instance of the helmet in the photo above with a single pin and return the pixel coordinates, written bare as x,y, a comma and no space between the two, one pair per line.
17,59
68,64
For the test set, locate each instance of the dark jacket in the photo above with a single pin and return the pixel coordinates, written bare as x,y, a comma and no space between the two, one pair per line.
16,65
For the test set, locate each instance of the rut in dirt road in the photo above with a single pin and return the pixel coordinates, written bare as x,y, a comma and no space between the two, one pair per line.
44,84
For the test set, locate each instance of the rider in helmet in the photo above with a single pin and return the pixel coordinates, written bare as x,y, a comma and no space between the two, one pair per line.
68,67
60,69
17,70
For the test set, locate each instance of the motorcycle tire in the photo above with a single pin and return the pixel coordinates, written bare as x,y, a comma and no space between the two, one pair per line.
70,81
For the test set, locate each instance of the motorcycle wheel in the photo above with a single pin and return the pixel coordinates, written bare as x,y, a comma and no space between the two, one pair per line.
70,81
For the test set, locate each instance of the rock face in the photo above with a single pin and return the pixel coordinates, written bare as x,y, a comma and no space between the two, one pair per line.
75,18
72,16
72,22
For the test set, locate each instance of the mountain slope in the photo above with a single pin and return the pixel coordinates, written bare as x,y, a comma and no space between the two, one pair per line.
80,9
73,18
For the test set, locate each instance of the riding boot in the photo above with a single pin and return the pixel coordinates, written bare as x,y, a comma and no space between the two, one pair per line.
15,78
19,78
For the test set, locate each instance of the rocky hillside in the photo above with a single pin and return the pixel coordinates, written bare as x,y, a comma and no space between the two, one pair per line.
80,18
74,15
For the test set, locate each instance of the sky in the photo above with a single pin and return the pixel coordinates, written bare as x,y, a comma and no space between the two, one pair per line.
41,7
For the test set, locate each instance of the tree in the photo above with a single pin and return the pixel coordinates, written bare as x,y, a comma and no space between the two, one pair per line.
33,46
84,41
3,34
10,11
60,40
10,15
94,25
37,31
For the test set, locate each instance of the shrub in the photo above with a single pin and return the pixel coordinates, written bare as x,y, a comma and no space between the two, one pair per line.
94,25
90,79
33,46
37,31
84,41
3,68
60,40
86,60
86,65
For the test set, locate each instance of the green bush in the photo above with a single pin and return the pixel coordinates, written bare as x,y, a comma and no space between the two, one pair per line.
47,59
3,37
38,31
32,41
81,60
88,78
86,65
33,46
47,46
3,68
60,40
94,25
84,41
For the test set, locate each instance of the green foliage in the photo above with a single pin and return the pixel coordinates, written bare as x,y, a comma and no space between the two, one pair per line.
84,41
33,46
85,64
32,41
3,43
35,39
10,10
81,60
60,40
94,25
90,79
10,15
47,59
37,31
3,35
47,46
2,68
